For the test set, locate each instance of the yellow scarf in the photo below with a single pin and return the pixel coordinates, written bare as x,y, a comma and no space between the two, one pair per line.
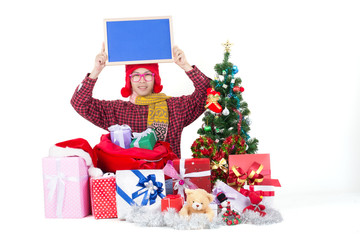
158,114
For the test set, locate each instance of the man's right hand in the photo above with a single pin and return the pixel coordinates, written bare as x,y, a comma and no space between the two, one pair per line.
100,62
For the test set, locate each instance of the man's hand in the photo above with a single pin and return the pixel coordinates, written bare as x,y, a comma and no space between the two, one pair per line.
180,59
100,62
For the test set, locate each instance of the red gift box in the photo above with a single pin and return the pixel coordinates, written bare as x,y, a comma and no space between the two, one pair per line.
252,169
103,197
195,172
172,201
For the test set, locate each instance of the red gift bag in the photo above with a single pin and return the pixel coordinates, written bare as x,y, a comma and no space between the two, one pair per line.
111,157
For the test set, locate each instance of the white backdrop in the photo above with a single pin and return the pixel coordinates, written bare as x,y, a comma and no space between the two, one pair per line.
299,62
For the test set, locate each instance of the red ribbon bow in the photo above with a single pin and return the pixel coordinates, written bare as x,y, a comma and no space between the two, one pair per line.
246,192
238,177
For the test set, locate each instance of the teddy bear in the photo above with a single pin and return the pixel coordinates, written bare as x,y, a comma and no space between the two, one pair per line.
198,201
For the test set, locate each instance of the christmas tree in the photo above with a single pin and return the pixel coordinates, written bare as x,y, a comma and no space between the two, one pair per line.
226,123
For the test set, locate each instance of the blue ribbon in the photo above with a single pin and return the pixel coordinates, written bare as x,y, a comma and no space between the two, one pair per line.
150,188
150,194
125,196
218,84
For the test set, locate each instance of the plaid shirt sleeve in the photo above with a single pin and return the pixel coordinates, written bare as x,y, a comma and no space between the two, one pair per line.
99,112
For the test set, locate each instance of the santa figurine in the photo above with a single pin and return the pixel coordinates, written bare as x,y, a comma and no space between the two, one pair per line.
255,200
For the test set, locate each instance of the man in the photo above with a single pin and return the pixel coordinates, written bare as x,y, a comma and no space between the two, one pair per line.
147,106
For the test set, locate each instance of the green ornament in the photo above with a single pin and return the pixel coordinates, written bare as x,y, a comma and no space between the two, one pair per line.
224,72
207,128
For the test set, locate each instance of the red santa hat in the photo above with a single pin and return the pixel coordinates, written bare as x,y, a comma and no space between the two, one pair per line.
129,69
77,147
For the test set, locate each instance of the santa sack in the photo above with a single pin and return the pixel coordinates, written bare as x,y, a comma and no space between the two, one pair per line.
111,157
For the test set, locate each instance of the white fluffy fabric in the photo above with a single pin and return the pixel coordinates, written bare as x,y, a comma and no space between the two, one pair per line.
171,219
272,216
56,151
95,172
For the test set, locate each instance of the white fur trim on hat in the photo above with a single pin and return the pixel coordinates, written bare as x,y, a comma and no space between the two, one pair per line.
56,151
95,172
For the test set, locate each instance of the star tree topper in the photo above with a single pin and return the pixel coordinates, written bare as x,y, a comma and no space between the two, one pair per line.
227,46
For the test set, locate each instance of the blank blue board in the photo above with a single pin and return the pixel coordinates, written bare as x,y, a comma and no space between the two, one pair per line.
142,40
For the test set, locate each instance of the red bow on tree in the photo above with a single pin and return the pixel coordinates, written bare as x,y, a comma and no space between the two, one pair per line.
212,101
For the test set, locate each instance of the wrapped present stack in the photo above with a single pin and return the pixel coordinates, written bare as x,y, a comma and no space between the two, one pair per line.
138,195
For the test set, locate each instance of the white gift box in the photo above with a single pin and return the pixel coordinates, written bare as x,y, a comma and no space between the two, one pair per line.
143,188
214,207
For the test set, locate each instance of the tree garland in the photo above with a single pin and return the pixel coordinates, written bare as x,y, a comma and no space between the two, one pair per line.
203,147
233,144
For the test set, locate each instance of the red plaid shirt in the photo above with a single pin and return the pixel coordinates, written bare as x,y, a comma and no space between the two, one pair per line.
182,110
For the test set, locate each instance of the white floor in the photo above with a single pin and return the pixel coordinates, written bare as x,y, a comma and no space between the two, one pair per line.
312,216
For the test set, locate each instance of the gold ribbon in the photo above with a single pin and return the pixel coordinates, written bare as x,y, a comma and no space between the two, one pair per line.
222,165
212,99
238,177
257,172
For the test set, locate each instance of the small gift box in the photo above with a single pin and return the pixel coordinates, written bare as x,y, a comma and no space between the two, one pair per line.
190,173
66,187
146,139
120,135
250,169
172,201
214,207
103,197
139,188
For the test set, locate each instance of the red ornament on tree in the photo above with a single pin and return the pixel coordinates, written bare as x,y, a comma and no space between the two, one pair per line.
238,89
212,101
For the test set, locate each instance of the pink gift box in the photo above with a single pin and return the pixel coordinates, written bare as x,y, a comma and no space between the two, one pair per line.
66,187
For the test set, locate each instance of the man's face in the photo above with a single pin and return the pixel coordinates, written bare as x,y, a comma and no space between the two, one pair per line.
142,81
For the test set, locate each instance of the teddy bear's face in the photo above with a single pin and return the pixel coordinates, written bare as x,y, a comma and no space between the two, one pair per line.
199,200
